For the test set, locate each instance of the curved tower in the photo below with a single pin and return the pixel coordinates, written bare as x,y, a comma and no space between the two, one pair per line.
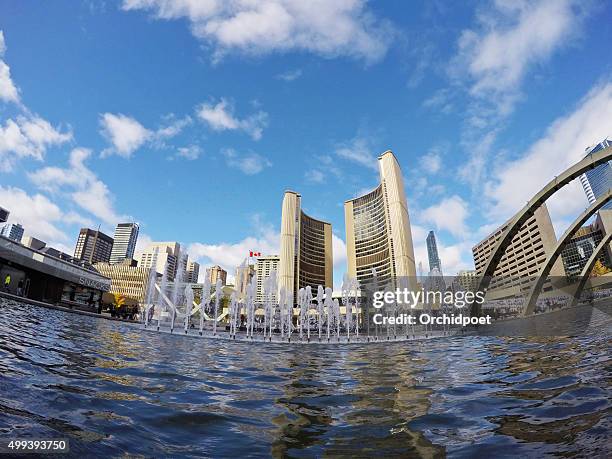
378,232
305,248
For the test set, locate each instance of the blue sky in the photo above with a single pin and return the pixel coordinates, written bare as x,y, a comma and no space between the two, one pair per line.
192,117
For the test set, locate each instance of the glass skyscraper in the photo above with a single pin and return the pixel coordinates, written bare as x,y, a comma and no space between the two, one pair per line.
597,181
432,253
126,235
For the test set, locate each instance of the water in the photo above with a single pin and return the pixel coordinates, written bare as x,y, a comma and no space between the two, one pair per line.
113,389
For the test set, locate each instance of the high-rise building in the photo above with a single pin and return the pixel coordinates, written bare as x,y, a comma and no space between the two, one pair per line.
432,253
33,243
306,248
193,272
580,247
164,256
264,267
522,260
13,231
244,274
597,181
217,272
466,280
127,278
93,246
378,235
126,235
4,214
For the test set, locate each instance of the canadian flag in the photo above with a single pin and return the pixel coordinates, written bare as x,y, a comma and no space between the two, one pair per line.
254,254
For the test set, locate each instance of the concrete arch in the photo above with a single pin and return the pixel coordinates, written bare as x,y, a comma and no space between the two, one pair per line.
534,292
589,162
584,274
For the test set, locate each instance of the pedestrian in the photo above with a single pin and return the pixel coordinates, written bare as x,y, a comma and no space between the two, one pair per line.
7,282
20,287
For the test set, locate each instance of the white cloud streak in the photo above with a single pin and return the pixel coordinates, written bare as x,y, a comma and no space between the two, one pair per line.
326,28
220,117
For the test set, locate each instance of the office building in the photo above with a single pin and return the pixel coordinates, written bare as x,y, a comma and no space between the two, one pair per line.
13,231
525,255
579,249
217,272
432,253
192,272
126,278
597,181
126,235
163,257
264,267
33,243
306,248
466,280
244,274
93,246
378,235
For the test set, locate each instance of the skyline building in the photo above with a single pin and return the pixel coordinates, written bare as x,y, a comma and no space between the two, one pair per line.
93,246
127,278
33,243
193,272
217,272
126,235
432,253
162,255
244,274
4,214
14,231
264,267
598,180
378,235
305,248
580,247
522,260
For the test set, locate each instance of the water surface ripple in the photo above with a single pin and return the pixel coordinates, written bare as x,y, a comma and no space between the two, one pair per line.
113,390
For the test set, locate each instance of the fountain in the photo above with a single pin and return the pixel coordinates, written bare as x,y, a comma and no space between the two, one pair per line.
204,302
275,315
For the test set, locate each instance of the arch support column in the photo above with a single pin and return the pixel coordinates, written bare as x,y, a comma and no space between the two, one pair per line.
534,292
584,274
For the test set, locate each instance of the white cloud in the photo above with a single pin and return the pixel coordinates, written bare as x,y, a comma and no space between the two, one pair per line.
8,90
314,176
431,162
81,185
249,163
174,128
290,75
220,117
440,101
191,153
231,254
339,251
511,38
38,215
27,136
449,215
326,28
124,133
358,150
562,145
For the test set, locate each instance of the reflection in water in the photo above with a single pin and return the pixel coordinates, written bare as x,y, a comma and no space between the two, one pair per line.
113,389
